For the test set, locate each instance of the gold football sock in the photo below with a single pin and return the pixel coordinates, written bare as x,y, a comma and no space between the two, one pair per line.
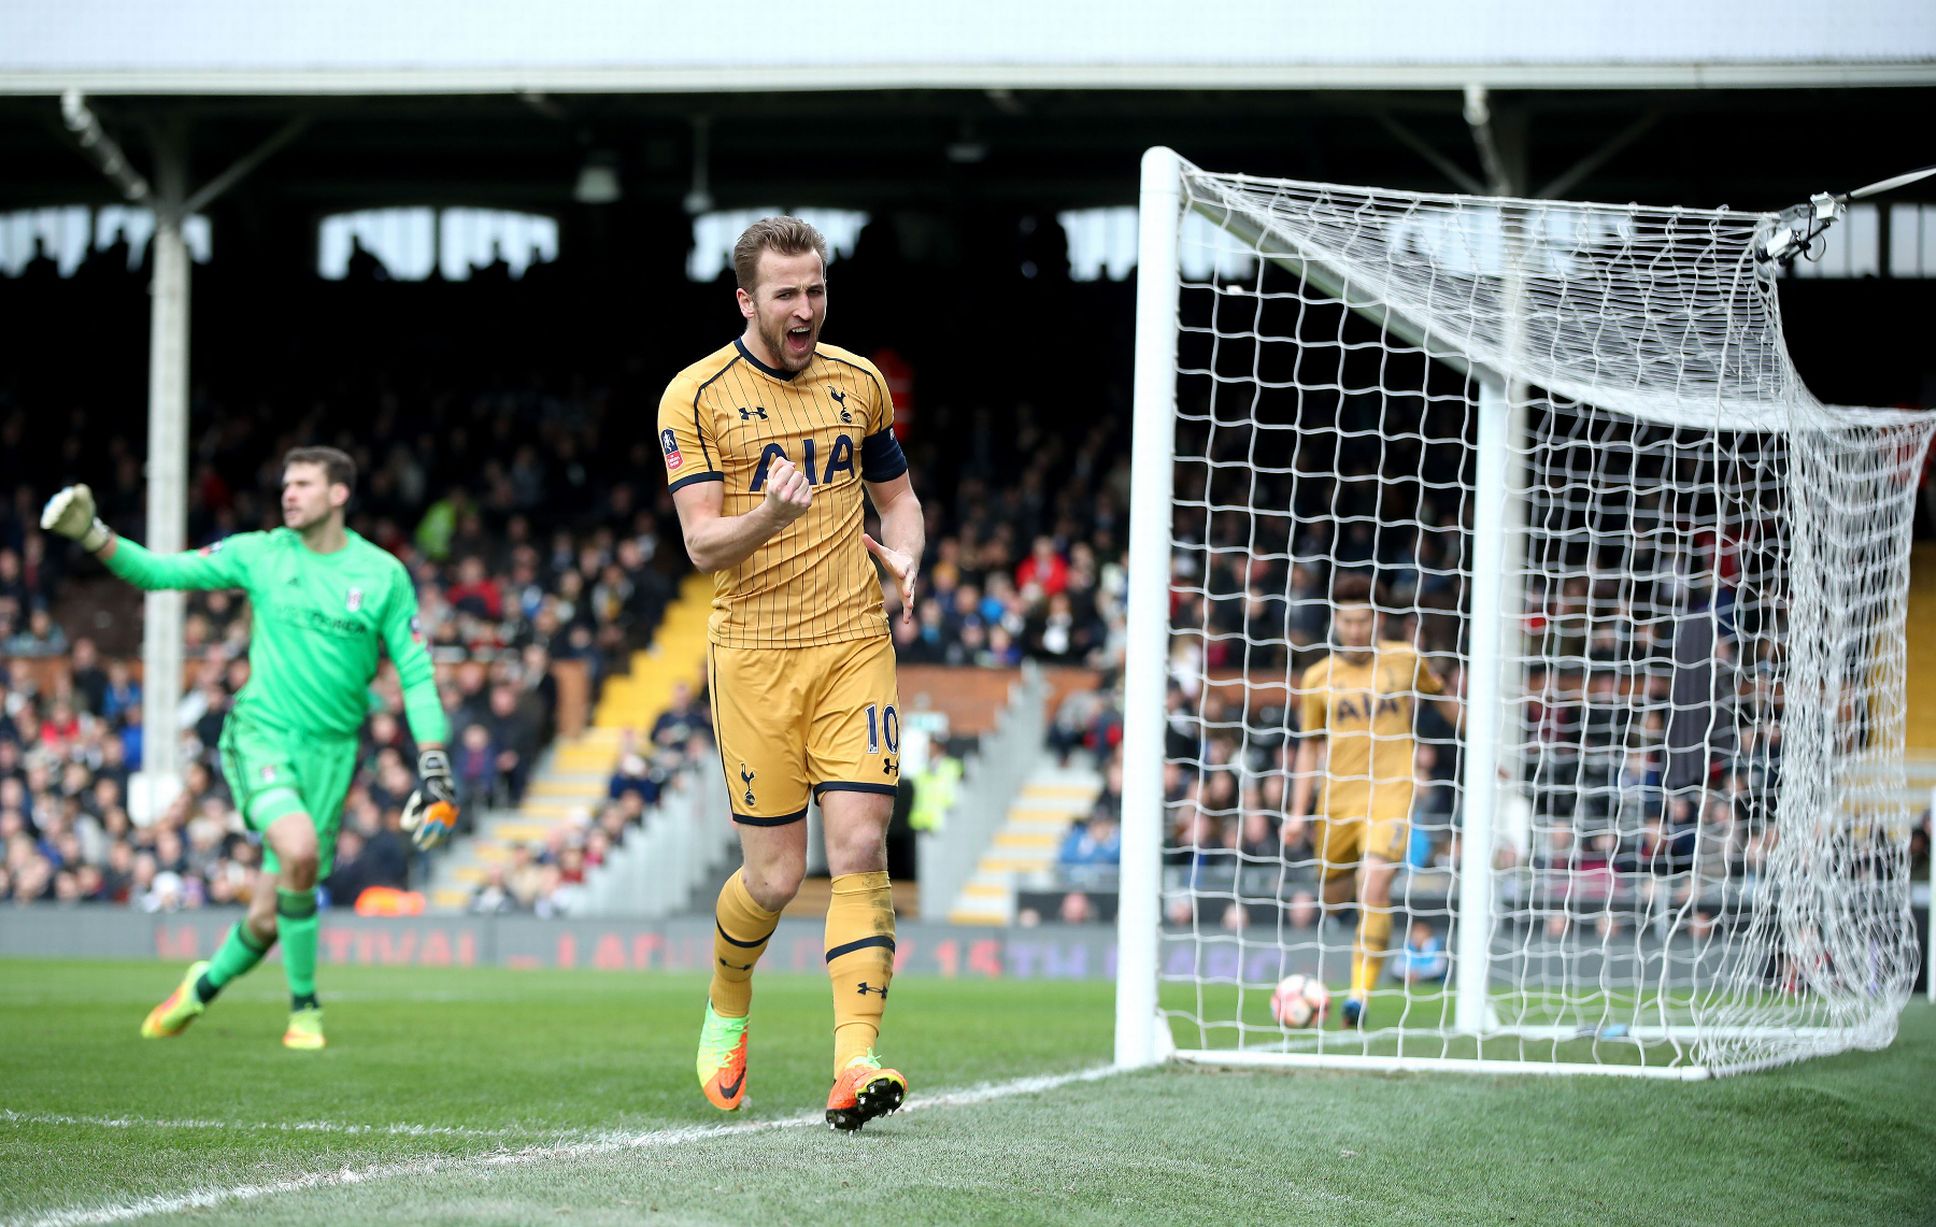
1368,952
739,937
860,960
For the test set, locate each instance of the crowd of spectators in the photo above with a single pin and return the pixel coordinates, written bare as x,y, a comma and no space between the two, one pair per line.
1604,826
76,829
1643,765
547,878
523,555
1597,832
1024,565
529,507
30,576
505,447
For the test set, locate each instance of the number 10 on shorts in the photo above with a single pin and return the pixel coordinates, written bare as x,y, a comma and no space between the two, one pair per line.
883,725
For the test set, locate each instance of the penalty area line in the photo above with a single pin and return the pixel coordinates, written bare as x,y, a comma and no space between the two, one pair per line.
609,1143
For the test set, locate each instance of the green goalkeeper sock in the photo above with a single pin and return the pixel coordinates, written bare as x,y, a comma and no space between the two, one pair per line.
239,953
296,927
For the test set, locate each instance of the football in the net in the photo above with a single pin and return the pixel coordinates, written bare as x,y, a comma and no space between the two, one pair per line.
1300,1001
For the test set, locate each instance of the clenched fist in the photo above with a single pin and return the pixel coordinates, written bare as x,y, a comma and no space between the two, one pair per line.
788,492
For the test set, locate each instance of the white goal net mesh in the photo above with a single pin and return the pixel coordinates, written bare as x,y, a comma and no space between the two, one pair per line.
1698,824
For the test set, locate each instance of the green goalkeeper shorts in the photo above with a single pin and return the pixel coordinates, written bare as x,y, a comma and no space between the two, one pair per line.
273,775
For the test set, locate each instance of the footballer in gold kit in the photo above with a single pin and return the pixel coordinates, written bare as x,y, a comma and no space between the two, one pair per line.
1358,708
771,444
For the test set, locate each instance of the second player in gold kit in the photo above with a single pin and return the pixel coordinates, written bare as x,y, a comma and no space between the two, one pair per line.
1364,709
771,444
1358,709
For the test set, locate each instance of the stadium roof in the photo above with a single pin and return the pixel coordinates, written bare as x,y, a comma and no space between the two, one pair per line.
953,152
1004,106
634,46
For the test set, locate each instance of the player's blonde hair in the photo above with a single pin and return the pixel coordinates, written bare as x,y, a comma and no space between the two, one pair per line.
788,236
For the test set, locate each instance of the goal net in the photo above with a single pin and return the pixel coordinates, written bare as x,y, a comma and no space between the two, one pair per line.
1655,823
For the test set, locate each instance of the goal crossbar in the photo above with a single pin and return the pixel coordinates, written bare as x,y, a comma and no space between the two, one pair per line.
1329,280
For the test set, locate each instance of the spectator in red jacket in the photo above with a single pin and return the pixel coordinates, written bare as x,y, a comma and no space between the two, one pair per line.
475,592
1044,567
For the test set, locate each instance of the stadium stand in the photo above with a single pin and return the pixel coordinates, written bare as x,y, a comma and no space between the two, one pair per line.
517,499
527,501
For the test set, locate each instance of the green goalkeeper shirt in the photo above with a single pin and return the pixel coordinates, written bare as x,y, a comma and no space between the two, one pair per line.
319,619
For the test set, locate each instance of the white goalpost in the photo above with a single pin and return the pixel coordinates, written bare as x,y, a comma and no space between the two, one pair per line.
1664,585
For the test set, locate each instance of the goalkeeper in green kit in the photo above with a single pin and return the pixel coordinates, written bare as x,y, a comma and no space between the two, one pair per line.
324,599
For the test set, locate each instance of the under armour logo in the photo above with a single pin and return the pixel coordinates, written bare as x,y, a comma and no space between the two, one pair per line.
747,415
736,966
887,767
866,988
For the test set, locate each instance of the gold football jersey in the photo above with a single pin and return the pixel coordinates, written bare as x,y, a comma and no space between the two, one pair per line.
727,419
1366,712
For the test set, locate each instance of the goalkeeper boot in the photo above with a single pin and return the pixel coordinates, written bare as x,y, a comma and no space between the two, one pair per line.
722,1060
1352,1015
864,1091
305,1029
178,1009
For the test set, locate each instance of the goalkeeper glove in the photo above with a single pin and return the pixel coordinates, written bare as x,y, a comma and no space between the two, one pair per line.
70,513
431,812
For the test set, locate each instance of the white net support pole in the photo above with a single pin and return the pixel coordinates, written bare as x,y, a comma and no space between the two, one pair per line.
1144,673
1483,707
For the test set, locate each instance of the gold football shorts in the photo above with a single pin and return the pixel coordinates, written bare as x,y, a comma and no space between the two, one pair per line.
794,723
1355,827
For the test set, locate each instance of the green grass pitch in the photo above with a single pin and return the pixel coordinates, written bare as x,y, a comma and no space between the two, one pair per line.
484,1096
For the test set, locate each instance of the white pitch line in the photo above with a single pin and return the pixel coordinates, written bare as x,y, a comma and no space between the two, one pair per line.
9,1116
201,1199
